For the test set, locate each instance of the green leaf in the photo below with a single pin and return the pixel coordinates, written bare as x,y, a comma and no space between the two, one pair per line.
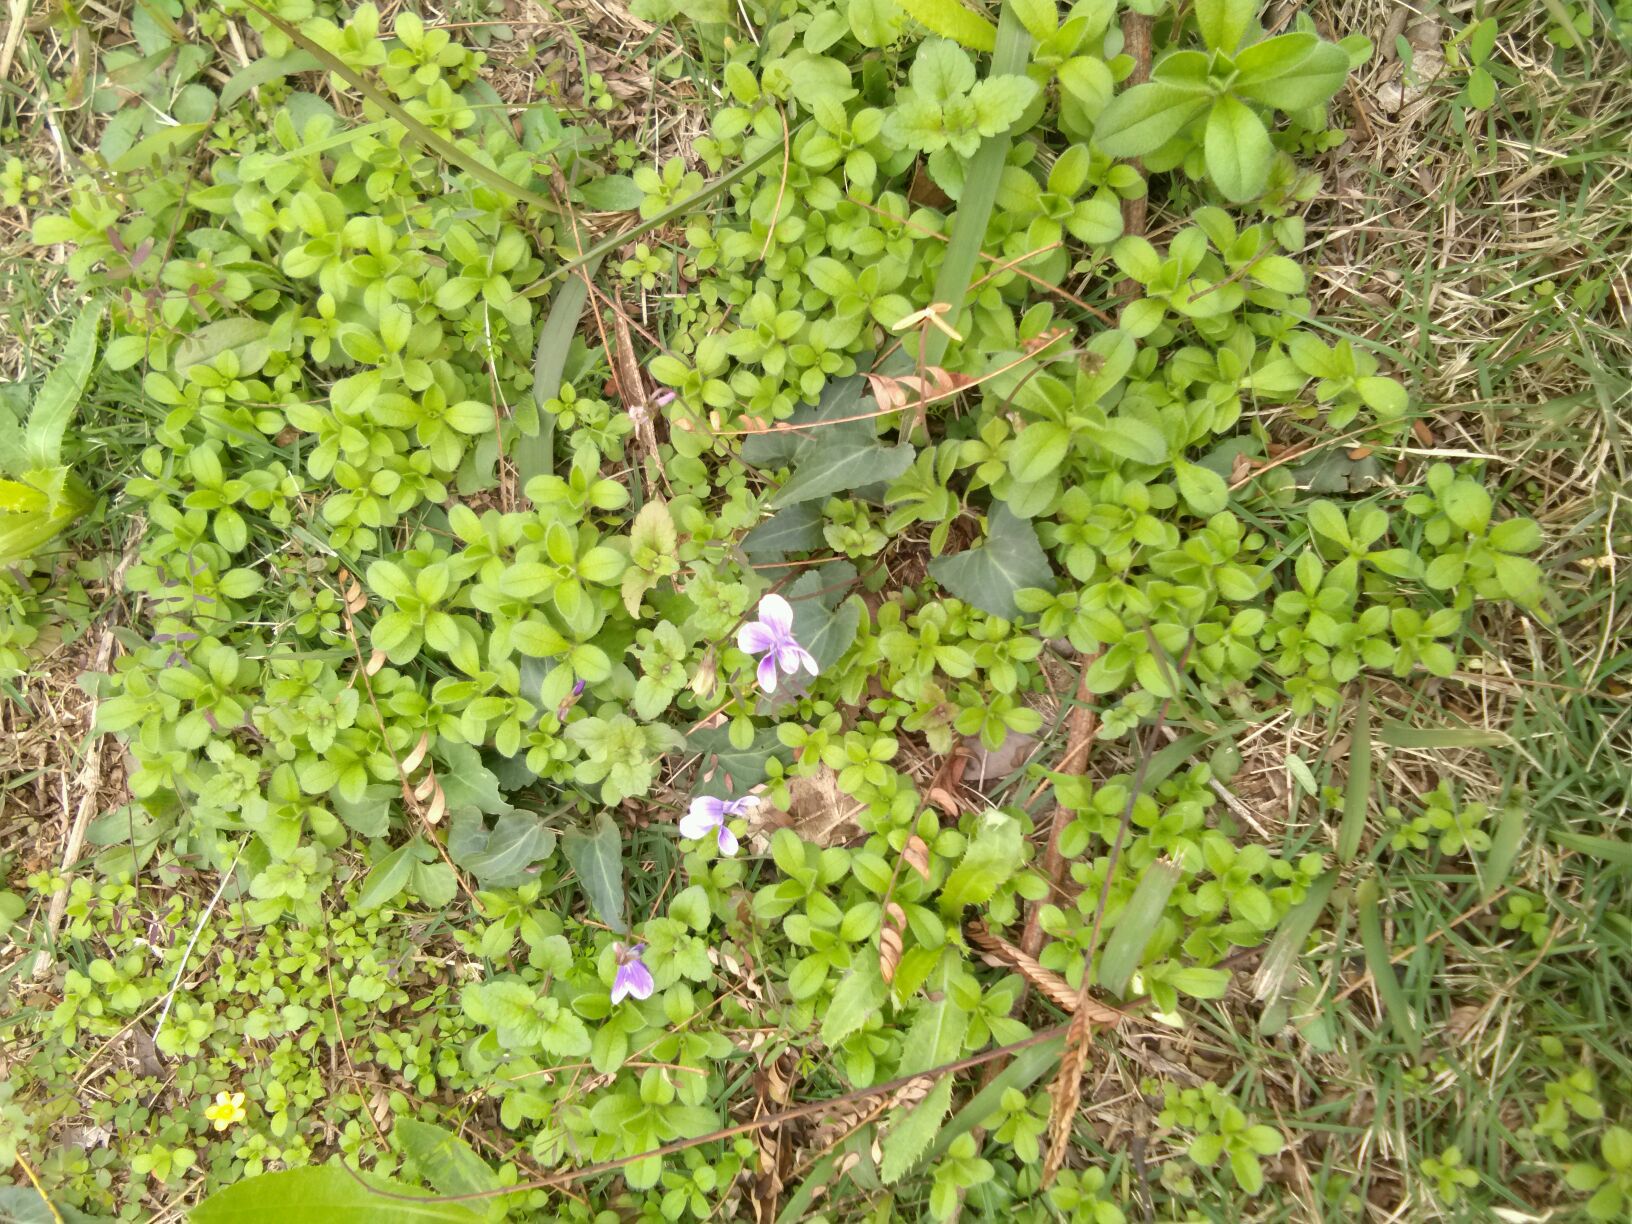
951,20
914,1132
444,1159
1224,22
466,782
60,394
1040,17
611,193
431,140
326,1192
990,860
1009,560
1287,947
1376,949
1146,117
597,858
1130,438
999,101
245,337
387,877
841,461
1238,150
1357,795
860,993
795,528
504,856
1038,449
1010,55
1202,488
1138,923
1290,72
743,767
263,71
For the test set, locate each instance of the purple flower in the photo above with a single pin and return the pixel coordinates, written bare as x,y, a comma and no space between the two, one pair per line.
772,636
709,814
632,978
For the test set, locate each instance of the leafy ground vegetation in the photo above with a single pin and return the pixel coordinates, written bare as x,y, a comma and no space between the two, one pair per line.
830,610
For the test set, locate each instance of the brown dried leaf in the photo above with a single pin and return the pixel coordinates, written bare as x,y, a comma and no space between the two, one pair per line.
990,767
945,800
439,805
422,790
890,940
818,811
916,855
375,662
412,760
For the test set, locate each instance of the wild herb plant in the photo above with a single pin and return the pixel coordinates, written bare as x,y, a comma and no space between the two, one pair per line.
442,616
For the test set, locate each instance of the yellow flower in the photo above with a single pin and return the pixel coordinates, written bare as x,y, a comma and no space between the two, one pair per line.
228,1108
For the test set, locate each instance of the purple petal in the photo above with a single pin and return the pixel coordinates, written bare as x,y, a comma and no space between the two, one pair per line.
767,673
804,658
741,807
775,613
705,815
756,638
633,979
728,842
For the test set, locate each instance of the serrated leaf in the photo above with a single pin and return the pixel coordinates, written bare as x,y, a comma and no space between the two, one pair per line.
860,993
597,858
992,856
62,389
1009,560
916,1130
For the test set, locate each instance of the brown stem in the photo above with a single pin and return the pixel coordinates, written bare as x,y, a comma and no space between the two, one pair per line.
1136,42
1082,726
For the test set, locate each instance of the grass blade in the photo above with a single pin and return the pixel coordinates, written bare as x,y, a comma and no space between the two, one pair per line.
445,149
979,194
1604,849
1126,946
1399,735
1357,795
535,456
1504,848
1382,972
1287,945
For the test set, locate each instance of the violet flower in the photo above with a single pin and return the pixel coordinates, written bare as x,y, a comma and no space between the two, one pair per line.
632,977
772,636
708,815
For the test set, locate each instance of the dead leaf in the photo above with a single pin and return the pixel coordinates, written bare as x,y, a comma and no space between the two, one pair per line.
890,940
818,811
945,800
987,767
915,854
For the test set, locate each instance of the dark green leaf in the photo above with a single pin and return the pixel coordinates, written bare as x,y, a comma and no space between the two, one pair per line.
261,71
597,857
501,857
466,782
795,528
743,768
1010,560
59,395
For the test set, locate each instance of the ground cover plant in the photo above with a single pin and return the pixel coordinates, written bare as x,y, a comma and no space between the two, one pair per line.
810,611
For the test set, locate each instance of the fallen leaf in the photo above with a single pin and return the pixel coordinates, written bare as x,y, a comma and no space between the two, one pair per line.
988,767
